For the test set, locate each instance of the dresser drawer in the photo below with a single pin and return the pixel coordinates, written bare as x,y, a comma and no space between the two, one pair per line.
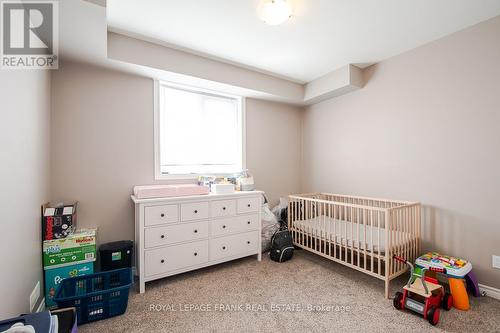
166,259
194,211
223,208
248,205
231,225
175,234
234,245
161,214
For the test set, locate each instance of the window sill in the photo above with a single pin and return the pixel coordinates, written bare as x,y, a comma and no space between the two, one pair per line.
192,176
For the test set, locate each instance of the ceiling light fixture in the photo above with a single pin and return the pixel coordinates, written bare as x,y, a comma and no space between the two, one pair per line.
274,12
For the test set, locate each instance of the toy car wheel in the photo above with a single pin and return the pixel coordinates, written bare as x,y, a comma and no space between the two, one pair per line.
398,300
447,301
433,315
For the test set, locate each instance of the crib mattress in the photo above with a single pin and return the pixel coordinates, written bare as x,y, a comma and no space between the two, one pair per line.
340,232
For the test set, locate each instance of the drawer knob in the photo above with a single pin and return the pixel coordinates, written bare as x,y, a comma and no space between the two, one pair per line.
162,215
195,231
248,205
162,261
195,254
223,227
162,236
248,242
248,222
223,247
196,211
223,208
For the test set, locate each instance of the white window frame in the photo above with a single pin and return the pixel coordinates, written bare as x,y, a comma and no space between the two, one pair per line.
157,160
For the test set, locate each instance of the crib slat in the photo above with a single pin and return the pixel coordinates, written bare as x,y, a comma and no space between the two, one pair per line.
419,230
323,228
358,240
329,234
306,205
394,241
413,232
344,239
335,217
397,234
297,216
320,225
371,241
315,229
378,241
410,229
394,235
405,233
290,217
352,235
302,218
400,235
365,245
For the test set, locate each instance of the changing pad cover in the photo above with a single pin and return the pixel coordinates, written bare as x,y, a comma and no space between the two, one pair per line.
162,191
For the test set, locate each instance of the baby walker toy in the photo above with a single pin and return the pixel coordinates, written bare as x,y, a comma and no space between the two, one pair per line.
423,294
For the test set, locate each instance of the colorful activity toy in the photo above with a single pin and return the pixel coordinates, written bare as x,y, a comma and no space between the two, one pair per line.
459,273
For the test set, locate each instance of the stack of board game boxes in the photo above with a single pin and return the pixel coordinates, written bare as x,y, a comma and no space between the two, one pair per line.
67,252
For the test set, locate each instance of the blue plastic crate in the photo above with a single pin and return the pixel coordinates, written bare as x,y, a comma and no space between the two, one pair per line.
96,296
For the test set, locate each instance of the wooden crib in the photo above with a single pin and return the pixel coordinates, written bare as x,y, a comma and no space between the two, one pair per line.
361,233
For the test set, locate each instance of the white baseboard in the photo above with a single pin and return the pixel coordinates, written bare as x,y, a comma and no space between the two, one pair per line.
490,291
41,306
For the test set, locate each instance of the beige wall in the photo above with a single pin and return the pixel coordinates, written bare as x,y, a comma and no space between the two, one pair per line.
425,127
102,145
273,147
24,177
136,51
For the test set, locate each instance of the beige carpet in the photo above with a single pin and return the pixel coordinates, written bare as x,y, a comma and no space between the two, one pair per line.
248,296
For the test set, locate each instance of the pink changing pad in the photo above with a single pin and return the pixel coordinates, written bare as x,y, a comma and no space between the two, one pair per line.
162,191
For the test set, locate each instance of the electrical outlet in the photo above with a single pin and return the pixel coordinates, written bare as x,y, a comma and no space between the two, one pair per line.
35,294
496,261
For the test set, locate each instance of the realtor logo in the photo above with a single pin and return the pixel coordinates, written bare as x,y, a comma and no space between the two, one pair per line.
29,35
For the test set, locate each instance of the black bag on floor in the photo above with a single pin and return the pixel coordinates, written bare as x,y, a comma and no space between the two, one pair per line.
281,245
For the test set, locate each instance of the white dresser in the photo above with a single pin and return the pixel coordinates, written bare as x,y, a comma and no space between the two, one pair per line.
180,234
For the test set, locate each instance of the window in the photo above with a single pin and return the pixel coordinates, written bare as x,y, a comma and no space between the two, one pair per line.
197,132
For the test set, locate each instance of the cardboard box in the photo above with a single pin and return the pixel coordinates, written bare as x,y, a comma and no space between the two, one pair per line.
58,222
76,248
54,276
222,188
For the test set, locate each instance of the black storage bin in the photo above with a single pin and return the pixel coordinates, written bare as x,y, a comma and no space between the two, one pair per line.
116,255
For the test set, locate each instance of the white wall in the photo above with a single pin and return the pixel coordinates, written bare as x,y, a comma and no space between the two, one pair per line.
102,145
426,127
24,172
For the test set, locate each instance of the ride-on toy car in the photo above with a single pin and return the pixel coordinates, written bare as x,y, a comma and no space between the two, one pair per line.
423,294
